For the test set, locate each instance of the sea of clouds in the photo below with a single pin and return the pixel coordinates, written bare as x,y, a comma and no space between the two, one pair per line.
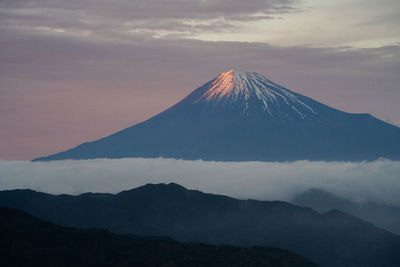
377,181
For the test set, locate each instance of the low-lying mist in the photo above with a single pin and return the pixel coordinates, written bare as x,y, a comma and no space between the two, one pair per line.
377,181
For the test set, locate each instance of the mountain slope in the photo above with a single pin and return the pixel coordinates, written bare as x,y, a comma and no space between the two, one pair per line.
384,216
29,241
242,116
332,239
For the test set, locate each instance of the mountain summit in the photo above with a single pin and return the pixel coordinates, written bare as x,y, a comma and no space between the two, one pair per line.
249,92
243,116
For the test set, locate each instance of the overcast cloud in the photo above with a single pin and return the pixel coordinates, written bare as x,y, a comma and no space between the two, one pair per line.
376,181
120,18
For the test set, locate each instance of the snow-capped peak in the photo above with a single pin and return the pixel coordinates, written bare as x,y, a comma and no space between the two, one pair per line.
249,91
223,86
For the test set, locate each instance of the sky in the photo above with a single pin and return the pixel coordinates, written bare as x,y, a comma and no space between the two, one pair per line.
78,70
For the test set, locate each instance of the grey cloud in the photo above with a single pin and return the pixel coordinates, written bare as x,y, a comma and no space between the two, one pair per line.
161,8
175,28
102,17
252,18
387,19
364,181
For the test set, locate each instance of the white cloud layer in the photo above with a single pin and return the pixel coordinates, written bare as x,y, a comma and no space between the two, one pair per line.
377,181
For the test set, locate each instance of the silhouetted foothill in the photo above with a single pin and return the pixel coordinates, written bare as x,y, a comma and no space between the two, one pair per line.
333,238
385,216
29,241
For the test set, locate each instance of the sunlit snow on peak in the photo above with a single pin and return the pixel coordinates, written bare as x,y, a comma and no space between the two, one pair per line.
222,86
252,90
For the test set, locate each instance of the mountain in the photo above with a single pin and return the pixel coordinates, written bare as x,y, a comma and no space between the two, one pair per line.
387,217
30,241
331,239
243,116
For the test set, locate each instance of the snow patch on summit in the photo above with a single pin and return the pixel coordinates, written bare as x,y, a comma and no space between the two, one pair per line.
234,87
223,86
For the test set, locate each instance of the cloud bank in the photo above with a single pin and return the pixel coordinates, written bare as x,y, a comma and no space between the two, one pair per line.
377,181
120,18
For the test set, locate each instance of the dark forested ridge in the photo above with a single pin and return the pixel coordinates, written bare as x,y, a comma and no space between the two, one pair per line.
30,241
332,239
